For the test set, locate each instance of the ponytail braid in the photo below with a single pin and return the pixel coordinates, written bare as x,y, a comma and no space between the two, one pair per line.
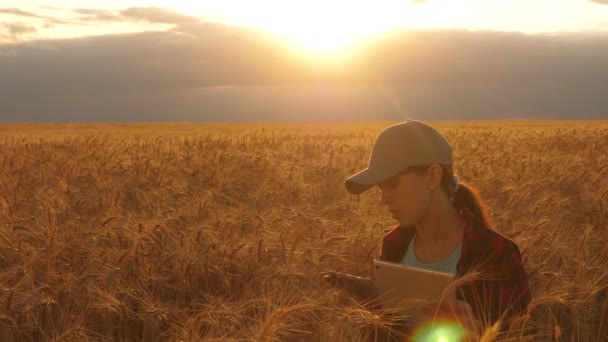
465,197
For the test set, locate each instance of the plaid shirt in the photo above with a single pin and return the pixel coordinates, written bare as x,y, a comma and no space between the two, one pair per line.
502,289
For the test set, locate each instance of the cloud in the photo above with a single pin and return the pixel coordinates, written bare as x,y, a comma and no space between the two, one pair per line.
18,12
601,2
47,20
8,52
218,55
213,71
15,31
147,14
87,15
97,14
157,15
19,29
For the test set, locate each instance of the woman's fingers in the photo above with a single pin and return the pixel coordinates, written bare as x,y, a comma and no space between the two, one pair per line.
329,277
339,279
361,288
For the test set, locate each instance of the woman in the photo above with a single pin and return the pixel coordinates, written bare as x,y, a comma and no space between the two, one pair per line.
443,225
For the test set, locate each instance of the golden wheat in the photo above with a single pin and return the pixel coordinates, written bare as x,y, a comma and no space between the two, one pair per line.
218,232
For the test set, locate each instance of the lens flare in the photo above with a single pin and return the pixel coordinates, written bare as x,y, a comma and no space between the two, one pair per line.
442,331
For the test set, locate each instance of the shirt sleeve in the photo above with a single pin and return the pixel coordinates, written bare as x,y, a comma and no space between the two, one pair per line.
502,292
515,292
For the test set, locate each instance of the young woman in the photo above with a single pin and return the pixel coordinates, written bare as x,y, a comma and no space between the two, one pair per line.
443,225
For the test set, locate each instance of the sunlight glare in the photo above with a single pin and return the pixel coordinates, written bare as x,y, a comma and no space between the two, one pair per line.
330,27
439,332
318,27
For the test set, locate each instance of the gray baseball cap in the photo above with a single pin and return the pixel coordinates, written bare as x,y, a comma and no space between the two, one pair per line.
407,144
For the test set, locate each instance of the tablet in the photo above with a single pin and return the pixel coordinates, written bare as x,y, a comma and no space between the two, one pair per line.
398,283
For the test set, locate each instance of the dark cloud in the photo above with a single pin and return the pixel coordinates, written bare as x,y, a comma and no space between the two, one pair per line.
206,71
451,57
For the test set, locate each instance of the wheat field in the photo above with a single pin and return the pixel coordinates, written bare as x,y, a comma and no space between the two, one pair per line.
218,232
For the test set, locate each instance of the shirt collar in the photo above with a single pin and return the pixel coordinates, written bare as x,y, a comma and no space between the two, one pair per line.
474,238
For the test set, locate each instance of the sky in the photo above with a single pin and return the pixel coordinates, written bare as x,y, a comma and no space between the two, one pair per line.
314,23
271,60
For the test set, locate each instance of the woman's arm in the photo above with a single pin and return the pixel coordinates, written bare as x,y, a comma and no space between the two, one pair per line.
514,291
363,289
502,292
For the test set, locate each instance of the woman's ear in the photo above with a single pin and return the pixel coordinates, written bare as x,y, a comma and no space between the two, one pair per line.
435,173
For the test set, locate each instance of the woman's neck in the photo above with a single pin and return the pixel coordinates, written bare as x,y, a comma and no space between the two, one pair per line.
442,226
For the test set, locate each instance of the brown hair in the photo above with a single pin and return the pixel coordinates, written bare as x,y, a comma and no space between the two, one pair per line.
465,197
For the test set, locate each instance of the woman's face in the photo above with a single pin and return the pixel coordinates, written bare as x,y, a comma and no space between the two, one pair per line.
407,197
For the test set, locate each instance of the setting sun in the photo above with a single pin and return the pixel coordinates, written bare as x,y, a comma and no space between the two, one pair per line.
328,27
319,27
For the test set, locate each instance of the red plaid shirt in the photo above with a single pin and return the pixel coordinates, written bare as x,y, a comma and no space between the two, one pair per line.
501,291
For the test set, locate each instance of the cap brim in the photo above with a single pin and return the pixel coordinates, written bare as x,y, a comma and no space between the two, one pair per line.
367,178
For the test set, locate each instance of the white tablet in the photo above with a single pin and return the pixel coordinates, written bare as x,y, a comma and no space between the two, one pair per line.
398,283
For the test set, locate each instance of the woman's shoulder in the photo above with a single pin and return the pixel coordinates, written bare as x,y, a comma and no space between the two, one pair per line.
495,251
483,238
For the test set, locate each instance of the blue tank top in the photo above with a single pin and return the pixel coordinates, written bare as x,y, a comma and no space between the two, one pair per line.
447,265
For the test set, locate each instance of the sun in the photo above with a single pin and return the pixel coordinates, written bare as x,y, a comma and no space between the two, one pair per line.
322,37
325,29
318,27
330,28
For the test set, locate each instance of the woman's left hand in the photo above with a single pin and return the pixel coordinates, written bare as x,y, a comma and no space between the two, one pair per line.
362,288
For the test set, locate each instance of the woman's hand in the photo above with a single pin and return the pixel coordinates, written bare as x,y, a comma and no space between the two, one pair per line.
361,288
